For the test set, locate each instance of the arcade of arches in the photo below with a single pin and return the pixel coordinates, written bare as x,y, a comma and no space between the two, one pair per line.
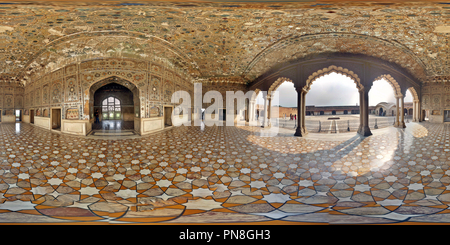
67,69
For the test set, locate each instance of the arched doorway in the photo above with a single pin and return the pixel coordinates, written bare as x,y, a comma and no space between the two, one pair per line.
113,104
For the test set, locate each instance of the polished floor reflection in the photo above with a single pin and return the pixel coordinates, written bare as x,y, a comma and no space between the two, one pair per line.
226,175
113,128
113,125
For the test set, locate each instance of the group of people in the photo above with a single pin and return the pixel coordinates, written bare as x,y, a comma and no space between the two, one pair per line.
291,116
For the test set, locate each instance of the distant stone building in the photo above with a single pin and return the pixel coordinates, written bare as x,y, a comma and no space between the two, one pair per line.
389,109
381,109
331,110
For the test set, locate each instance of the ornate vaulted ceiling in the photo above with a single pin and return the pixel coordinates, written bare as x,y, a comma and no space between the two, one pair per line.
235,41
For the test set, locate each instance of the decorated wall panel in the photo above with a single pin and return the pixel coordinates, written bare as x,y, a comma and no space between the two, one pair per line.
9,101
72,90
57,92
436,99
11,97
71,87
18,101
45,96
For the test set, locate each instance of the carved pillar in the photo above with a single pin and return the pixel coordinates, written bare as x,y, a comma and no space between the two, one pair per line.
360,112
415,110
299,130
303,113
397,111
251,111
418,111
402,115
264,123
269,110
364,129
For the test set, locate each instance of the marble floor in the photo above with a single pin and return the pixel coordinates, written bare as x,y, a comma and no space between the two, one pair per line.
226,175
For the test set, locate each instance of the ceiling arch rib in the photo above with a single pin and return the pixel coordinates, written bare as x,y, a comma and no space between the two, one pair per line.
85,46
294,48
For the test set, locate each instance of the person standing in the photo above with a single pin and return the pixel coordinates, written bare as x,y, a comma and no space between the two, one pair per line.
96,114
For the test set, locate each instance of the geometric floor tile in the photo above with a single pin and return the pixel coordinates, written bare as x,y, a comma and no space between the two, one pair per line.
226,175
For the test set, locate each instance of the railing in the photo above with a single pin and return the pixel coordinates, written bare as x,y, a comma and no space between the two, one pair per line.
336,126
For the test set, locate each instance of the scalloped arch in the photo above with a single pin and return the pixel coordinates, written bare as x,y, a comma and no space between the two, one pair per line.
414,93
277,84
325,71
255,94
392,82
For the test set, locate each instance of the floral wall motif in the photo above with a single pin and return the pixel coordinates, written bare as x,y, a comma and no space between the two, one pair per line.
71,89
56,93
18,101
38,96
154,88
72,114
45,98
9,101
9,112
155,111
168,91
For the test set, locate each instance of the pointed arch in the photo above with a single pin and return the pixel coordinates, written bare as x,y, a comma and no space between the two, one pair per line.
340,70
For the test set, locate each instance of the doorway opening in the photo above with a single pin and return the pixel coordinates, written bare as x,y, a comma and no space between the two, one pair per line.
56,118
18,115
426,115
222,114
168,116
32,116
446,115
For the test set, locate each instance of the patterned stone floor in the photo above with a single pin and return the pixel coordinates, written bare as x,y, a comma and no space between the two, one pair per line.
226,175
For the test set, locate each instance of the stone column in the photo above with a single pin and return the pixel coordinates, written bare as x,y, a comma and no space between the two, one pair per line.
298,131
364,113
303,113
418,111
402,115
251,111
264,123
415,119
397,111
360,111
269,110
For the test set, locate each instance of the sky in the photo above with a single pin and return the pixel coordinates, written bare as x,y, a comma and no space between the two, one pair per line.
335,89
